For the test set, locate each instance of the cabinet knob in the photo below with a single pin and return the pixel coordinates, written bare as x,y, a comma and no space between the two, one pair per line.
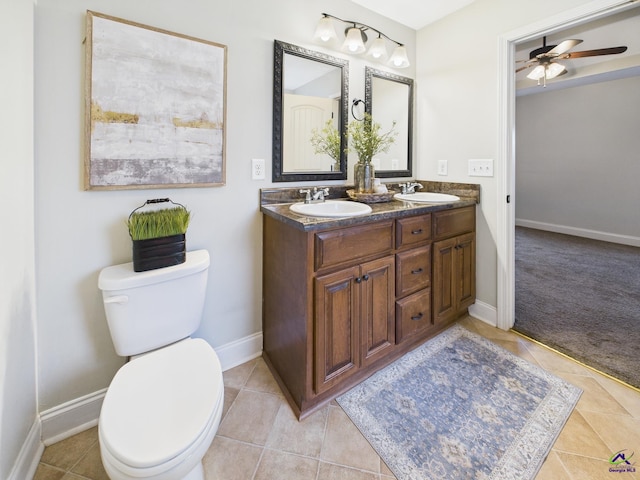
358,279
417,317
365,277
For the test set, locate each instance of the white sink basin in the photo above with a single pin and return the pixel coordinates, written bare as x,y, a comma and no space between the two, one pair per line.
426,197
331,208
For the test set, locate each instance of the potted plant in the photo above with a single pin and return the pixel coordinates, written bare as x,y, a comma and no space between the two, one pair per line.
366,141
158,235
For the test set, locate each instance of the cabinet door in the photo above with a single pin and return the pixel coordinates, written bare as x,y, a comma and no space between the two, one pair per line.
444,276
377,309
337,309
465,253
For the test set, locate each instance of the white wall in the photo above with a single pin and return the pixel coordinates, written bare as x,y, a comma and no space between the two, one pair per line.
577,157
457,75
18,407
79,232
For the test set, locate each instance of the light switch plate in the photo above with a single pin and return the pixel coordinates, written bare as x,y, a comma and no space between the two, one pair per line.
480,167
257,169
443,167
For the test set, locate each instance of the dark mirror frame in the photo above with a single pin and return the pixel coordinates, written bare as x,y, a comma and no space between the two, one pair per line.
369,74
278,173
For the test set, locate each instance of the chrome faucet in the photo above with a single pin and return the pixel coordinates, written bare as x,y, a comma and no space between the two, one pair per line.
410,187
317,196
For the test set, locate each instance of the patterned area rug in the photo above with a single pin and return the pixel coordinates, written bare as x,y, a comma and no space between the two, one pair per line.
460,407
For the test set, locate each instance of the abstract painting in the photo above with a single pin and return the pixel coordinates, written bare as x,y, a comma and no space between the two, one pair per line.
155,107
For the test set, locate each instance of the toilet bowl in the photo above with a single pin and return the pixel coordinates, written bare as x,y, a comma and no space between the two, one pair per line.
161,413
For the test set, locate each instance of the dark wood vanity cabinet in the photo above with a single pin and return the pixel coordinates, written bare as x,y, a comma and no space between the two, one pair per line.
341,303
454,264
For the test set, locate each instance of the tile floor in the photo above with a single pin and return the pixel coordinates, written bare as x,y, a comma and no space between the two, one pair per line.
259,438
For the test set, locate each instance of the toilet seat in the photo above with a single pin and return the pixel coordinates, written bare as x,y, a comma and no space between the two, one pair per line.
161,406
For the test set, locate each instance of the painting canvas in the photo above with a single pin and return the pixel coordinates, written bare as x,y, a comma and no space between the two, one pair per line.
155,107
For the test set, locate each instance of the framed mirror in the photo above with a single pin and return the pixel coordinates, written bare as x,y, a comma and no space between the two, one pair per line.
309,89
389,98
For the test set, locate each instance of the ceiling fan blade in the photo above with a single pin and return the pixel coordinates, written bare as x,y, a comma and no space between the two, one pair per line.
595,53
563,47
523,68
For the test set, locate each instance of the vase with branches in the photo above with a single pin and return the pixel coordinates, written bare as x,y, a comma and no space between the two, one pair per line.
327,141
367,140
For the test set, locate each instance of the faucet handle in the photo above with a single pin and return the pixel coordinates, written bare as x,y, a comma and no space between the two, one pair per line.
307,194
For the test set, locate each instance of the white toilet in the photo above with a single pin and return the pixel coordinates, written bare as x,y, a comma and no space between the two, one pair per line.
163,407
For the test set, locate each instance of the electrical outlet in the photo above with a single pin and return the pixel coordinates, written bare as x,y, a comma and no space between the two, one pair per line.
257,169
481,168
442,167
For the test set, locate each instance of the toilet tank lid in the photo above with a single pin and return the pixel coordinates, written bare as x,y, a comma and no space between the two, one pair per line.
120,277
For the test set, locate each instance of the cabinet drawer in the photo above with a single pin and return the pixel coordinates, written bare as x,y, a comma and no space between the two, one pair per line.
348,245
413,315
413,270
413,230
454,222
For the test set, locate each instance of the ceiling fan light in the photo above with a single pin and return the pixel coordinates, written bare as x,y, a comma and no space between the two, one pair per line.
354,43
537,73
378,49
554,69
325,30
399,57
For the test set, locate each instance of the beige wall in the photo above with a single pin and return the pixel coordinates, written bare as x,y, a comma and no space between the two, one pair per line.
79,232
577,158
18,406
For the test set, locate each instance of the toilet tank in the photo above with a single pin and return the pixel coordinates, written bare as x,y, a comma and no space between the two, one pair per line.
151,309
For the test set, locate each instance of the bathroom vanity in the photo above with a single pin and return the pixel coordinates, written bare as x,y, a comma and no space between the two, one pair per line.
344,297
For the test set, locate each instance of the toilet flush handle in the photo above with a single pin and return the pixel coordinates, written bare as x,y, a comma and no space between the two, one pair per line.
117,299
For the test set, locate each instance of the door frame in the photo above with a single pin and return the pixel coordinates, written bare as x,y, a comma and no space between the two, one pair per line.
505,158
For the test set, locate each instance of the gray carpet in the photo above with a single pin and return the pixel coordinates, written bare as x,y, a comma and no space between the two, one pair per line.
460,407
582,298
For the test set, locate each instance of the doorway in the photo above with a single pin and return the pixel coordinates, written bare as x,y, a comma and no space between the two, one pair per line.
506,141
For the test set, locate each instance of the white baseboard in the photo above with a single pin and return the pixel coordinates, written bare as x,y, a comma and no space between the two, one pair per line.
82,413
240,351
30,453
485,312
580,232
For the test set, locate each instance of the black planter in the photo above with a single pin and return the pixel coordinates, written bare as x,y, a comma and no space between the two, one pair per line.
159,252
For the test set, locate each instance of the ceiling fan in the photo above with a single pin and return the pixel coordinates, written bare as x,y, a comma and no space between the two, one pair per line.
545,59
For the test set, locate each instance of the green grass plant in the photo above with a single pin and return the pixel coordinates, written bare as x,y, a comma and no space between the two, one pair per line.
158,223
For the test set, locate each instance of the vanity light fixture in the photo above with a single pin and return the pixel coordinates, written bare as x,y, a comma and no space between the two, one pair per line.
356,39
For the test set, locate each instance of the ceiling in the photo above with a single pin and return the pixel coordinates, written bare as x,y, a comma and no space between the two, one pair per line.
612,31
414,13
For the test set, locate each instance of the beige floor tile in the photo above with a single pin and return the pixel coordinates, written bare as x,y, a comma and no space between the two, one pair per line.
303,437
229,459
345,445
329,471
90,465
236,377
552,469
251,417
578,437
555,362
230,394
262,380
594,398
618,431
73,476
624,395
66,453
275,465
585,468
47,472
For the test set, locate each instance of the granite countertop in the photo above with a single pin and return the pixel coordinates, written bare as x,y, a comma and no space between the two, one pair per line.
275,203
